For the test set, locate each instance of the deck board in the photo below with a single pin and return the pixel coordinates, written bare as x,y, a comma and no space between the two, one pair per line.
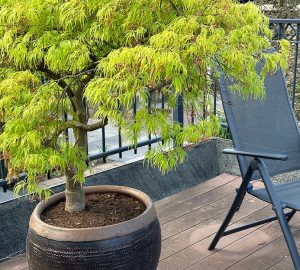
189,193
189,220
283,264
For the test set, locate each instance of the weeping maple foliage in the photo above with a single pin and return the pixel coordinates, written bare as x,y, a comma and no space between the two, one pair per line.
57,54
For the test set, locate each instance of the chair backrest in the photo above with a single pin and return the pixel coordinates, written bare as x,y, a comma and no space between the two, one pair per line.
267,125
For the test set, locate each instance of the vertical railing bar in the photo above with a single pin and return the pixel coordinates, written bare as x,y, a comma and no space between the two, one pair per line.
204,105
180,110
120,141
66,130
103,143
295,66
178,114
280,30
215,96
3,174
134,114
3,169
48,174
149,111
193,114
86,113
120,133
162,107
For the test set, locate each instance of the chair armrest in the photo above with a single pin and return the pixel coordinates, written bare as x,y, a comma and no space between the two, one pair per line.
223,125
273,156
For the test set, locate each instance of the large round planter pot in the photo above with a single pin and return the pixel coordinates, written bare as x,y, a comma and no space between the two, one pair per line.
130,245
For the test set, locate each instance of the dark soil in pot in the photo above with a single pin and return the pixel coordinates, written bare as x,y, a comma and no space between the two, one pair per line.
102,209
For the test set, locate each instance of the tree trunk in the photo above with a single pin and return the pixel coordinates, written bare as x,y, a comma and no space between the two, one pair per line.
75,200
74,194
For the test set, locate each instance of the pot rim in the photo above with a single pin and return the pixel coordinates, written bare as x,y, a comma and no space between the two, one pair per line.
93,233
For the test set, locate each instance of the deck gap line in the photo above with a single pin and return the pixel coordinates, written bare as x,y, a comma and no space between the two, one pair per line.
215,233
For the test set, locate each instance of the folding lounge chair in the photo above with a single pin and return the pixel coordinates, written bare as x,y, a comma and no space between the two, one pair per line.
266,142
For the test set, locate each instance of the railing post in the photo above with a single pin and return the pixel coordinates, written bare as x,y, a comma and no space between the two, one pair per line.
3,172
215,96
120,132
66,130
178,112
103,144
134,113
149,111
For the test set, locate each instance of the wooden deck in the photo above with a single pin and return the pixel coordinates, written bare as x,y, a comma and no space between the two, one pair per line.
189,220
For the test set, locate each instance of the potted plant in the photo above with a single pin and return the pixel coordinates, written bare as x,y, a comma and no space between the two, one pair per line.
56,56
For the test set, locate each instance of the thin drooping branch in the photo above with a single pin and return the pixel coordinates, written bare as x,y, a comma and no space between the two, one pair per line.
88,127
178,11
60,82
91,70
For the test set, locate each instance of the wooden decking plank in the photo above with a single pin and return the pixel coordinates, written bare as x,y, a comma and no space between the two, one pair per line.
197,202
273,251
232,256
205,229
192,254
283,264
187,194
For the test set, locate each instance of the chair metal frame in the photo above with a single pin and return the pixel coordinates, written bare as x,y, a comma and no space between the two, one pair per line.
258,164
283,218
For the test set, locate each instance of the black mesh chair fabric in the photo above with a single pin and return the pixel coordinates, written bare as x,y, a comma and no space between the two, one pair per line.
266,125
287,193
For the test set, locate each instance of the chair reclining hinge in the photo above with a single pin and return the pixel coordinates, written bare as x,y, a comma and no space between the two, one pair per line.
283,206
249,187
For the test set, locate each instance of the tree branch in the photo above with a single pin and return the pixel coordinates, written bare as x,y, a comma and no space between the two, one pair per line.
91,127
178,11
60,82
159,86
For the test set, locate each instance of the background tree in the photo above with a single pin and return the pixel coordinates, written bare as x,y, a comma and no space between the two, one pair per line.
289,9
57,54
280,8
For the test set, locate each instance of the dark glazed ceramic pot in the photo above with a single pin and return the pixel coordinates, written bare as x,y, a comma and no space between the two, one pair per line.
130,245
